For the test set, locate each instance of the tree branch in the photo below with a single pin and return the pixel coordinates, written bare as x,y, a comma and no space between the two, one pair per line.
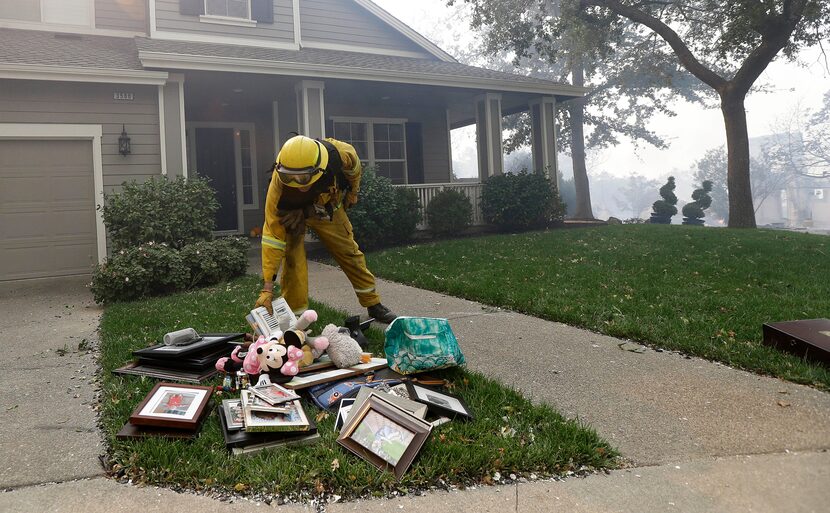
687,59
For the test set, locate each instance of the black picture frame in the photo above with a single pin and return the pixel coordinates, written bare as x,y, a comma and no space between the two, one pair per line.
439,402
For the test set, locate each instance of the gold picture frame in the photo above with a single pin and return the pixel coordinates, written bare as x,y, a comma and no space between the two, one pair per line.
384,435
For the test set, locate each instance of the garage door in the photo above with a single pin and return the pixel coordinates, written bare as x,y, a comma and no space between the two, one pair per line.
47,210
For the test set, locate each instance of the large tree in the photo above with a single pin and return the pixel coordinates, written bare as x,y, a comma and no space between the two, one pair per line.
727,45
628,79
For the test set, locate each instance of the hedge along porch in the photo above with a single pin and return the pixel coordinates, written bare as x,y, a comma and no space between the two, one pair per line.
241,105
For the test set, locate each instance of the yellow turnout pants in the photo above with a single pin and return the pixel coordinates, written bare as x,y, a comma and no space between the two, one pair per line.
336,235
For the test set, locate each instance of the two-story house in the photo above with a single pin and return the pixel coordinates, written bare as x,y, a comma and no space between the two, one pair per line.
94,93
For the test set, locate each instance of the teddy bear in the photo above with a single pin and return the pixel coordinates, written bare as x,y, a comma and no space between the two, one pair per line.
298,336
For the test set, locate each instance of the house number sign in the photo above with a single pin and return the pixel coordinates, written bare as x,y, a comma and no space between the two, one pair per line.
127,97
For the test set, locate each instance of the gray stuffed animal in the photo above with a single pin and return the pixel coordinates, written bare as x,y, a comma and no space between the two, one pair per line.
343,350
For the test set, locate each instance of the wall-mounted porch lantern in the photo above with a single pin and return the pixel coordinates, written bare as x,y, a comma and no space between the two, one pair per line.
124,142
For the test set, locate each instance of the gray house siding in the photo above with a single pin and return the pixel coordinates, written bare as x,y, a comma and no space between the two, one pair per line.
343,22
168,19
121,15
23,101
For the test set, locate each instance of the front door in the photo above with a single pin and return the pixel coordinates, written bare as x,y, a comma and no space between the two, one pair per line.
216,161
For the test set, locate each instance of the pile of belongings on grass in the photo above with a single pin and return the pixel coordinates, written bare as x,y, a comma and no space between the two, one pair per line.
385,408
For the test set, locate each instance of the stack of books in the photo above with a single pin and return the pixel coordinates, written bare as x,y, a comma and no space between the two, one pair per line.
265,417
190,363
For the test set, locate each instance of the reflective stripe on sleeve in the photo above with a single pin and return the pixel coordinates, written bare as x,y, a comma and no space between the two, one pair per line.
272,242
365,291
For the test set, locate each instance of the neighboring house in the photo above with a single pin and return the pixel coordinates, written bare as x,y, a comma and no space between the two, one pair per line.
212,88
800,199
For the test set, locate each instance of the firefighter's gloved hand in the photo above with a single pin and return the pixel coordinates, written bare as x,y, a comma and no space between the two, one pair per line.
350,200
293,220
265,298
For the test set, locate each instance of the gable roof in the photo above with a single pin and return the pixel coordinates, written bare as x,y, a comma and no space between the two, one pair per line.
32,47
155,53
406,30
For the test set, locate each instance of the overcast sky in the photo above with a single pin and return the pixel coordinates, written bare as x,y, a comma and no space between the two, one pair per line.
693,131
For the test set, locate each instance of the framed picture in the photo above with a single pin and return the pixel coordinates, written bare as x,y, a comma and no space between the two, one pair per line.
440,403
233,414
343,413
172,405
274,394
413,407
294,420
384,435
254,403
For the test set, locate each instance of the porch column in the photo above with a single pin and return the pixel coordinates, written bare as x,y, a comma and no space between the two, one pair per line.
171,127
488,135
543,122
311,116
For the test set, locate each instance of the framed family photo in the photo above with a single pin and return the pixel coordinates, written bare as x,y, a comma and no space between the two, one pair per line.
234,416
274,394
294,419
384,435
172,405
440,403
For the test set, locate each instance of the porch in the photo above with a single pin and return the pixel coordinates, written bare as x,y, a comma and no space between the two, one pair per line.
399,119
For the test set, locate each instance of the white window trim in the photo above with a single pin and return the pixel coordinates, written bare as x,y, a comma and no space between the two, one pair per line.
370,138
230,18
226,20
69,131
240,205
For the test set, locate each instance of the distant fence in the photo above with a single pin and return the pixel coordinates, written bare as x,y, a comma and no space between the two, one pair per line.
427,191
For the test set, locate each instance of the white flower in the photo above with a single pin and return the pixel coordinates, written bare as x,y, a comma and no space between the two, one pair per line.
127,279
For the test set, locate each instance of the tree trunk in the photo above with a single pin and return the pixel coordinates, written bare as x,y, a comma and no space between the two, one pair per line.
576,107
741,209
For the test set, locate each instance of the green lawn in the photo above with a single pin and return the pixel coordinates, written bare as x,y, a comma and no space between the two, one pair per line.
702,291
509,434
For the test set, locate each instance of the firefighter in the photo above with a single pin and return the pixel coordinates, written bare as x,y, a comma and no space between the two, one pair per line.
313,183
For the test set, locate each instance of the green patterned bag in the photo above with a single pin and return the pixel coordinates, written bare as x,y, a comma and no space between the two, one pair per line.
418,344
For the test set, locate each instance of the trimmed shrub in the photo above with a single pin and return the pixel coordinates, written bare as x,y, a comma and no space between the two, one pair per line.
175,212
153,269
693,212
213,261
450,212
522,201
384,215
665,208
145,270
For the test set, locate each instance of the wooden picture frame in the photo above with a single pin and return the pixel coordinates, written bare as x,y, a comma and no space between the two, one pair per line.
438,402
384,435
173,405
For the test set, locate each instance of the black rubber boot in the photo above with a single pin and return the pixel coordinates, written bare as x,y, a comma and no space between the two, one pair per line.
381,314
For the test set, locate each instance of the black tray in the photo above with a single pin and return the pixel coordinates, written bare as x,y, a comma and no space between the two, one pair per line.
209,341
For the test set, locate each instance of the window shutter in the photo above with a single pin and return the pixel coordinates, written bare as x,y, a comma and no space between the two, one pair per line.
191,7
262,11
414,153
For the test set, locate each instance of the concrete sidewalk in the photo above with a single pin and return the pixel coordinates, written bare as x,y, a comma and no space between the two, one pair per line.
703,437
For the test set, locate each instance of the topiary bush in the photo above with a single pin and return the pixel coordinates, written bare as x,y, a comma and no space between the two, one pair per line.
175,212
521,201
450,212
665,208
384,215
693,212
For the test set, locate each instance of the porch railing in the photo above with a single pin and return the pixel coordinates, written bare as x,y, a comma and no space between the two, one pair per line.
427,191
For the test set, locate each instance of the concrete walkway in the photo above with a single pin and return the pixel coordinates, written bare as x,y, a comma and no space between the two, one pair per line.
701,437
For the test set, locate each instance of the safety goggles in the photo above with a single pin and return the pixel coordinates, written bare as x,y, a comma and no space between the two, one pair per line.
298,178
